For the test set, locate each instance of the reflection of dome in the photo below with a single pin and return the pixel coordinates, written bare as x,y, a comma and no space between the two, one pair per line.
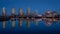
39,19
55,20
48,23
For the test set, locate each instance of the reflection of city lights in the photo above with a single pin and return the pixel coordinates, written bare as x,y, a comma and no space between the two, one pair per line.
48,17
21,22
48,23
28,23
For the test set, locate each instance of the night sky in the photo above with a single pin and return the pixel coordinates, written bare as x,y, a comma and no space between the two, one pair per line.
40,5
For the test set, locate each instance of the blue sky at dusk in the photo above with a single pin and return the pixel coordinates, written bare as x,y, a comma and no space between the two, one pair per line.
40,5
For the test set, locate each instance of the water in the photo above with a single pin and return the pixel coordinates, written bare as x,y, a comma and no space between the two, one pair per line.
41,27
40,5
